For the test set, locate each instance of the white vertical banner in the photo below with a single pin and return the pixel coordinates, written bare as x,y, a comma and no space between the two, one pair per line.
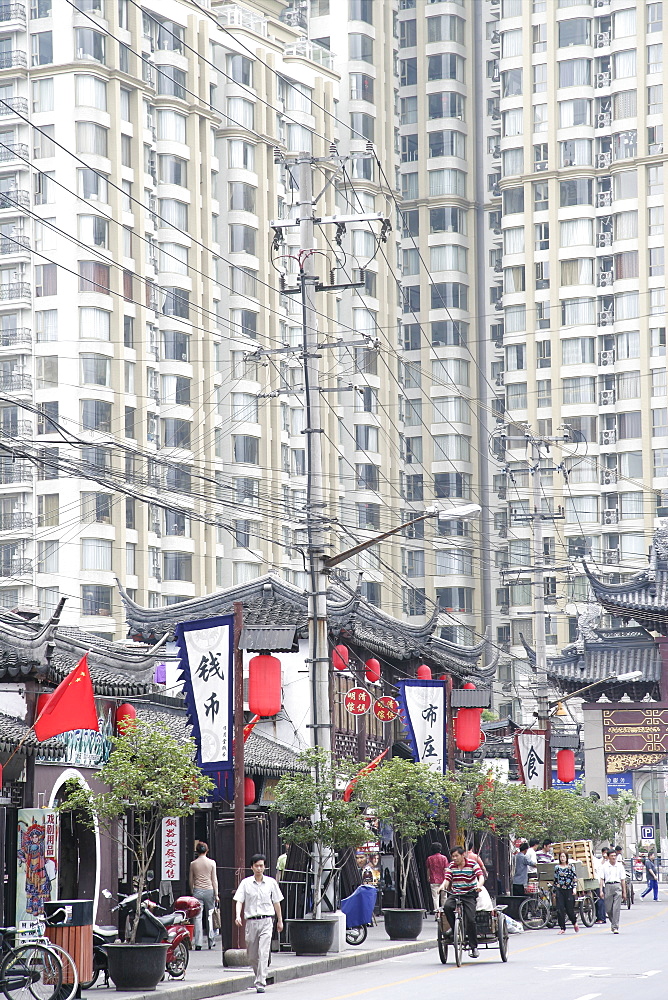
532,750
423,708
206,665
170,850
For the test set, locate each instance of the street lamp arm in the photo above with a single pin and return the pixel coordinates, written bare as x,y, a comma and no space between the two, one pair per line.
469,510
634,675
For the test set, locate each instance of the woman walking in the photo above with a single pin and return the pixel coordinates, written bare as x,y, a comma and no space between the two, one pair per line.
204,886
565,881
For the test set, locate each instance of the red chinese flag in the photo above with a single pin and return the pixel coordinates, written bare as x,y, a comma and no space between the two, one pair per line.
71,706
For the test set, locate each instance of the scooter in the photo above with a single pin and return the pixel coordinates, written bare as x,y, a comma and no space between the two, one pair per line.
171,927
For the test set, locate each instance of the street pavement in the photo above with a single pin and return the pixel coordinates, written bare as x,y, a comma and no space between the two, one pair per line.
595,963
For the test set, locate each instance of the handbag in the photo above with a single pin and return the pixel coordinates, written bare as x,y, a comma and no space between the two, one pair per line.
215,919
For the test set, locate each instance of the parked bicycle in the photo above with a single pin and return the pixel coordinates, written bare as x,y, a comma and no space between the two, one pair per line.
29,971
539,909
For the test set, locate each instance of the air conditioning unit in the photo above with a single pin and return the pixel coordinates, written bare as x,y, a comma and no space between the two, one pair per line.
603,161
608,436
603,119
603,199
605,279
604,239
607,397
610,557
608,477
606,358
611,516
602,79
601,39
601,3
605,317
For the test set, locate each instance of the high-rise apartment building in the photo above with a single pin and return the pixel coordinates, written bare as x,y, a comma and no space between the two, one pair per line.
150,349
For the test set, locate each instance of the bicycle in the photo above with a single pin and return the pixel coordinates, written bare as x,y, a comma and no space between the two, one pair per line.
29,971
35,934
537,910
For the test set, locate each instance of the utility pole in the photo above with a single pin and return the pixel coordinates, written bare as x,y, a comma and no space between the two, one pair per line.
315,493
539,607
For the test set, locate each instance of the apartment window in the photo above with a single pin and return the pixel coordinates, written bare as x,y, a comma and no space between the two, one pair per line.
579,271
95,369
575,152
48,510
540,196
540,117
625,225
515,319
447,220
513,122
449,294
544,391
360,47
449,333
660,422
457,599
46,279
516,396
628,345
540,78
578,351
629,425
625,104
582,510
90,92
92,139
655,179
625,184
660,456
446,66
93,276
579,390
513,201
242,239
92,185
40,8
575,31
539,35
628,385
96,415
407,33
173,214
654,17
574,112
409,148
452,485
89,44
447,258
576,232
174,170
449,447
445,28
511,43
176,433
176,302
658,342
448,104
96,554
177,566
361,89
511,83
41,48
408,72
445,143
624,64
657,301
655,58
514,278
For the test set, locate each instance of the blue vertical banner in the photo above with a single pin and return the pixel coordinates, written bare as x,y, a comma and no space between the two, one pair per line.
422,711
206,666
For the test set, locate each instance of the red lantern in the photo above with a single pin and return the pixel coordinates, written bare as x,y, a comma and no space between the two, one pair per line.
566,766
125,716
340,657
264,685
424,672
372,671
467,729
249,791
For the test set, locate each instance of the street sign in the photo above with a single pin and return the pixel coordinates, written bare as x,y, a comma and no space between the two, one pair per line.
386,708
647,833
357,701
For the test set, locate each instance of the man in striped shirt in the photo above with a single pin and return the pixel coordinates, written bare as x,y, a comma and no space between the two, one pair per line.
463,881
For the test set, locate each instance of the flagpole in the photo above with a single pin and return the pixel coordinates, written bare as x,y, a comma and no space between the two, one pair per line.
18,746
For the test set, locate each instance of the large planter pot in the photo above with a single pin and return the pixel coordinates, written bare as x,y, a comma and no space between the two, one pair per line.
403,925
136,967
312,937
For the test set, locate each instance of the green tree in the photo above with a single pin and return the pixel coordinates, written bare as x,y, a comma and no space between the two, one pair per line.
321,820
149,772
411,799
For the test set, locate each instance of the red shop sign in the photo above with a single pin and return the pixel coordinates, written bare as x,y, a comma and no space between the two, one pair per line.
357,701
386,708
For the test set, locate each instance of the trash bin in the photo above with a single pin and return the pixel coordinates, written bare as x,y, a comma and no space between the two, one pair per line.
69,923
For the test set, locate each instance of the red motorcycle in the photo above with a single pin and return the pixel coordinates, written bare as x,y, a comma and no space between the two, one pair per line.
639,869
175,928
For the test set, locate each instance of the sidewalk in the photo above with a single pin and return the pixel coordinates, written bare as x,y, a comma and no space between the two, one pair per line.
206,976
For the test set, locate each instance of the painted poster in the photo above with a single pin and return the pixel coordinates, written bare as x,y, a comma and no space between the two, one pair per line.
170,849
206,666
423,714
37,856
530,748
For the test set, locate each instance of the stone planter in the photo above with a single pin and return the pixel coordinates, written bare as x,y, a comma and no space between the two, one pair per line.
403,925
134,967
312,937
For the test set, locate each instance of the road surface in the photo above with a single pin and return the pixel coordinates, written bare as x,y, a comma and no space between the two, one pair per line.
631,965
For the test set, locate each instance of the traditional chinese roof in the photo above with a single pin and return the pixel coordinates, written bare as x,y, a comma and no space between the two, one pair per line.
269,602
605,653
644,596
48,651
13,731
262,753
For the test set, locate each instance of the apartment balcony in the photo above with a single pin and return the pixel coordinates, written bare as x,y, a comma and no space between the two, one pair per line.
13,106
13,151
608,436
18,520
304,49
15,383
14,244
12,12
14,59
16,472
16,429
15,567
14,199
610,517
14,290
238,17
606,358
14,337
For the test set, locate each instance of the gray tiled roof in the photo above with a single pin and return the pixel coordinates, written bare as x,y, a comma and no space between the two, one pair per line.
12,731
644,596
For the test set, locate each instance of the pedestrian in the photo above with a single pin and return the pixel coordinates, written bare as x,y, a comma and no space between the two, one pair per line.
260,896
281,862
545,855
565,882
532,858
652,876
463,881
437,863
521,876
600,899
613,884
204,886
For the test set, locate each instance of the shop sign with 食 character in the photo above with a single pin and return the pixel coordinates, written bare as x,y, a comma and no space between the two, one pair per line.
37,857
532,757
206,668
422,711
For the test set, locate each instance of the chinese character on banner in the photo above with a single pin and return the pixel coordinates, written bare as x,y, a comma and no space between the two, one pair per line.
422,704
386,708
206,666
357,701
37,857
171,849
532,758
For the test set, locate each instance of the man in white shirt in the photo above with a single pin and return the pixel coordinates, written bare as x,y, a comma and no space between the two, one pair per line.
532,858
260,897
613,884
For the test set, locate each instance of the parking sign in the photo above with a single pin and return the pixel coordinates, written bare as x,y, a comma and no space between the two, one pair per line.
647,832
